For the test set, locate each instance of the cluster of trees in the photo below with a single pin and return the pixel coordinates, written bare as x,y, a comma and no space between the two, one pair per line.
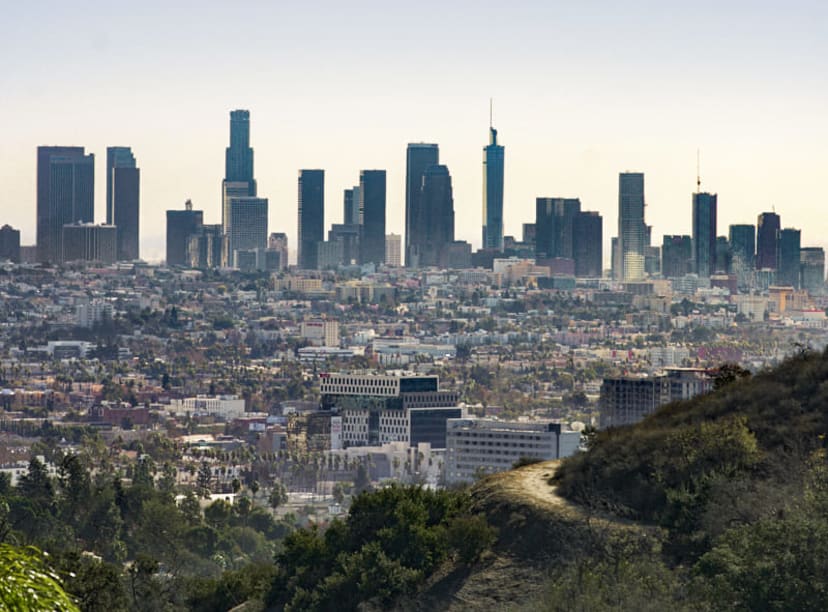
390,542
124,546
738,482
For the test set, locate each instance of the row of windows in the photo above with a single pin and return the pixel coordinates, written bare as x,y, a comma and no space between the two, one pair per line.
468,443
500,436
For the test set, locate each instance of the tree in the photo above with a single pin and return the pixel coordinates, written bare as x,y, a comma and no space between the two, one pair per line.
205,477
27,582
278,496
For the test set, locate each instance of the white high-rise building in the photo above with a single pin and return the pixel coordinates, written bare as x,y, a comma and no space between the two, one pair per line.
393,250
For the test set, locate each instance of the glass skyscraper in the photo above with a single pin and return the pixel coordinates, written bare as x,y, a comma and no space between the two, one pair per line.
493,161
436,221
311,217
238,165
632,231
704,233
554,223
789,258
65,195
767,238
419,157
372,214
123,185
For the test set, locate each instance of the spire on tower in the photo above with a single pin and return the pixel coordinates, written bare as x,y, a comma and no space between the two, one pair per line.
698,172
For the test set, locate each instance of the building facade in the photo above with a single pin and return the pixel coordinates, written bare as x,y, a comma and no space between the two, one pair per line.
493,169
788,258
181,224
704,234
311,217
588,244
123,200
436,222
632,230
372,214
767,239
89,242
9,244
248,226
419,158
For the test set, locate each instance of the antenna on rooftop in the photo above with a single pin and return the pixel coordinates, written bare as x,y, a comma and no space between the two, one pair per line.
698,172
490,112
188,205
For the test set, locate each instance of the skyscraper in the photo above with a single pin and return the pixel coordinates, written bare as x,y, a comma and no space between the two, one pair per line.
743,245
350,212
419,157
436,219
9,244
676,256
767,237
248,228
181,225
788,259
238,165
123,180
493,159
554,219
65,194
704,233
812,261
311,216
393,250
588,243
372,214
89,242
631,227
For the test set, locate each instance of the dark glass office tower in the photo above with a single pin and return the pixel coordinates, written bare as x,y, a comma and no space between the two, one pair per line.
588,244
9,244
123,185
419,157
812,262
350,212
436,219
238,160
65,194
554,219
493,160
248,220
238,165
676,256
789,258
632,230
767,237
181,225
743,245
311,216
372,213
704,233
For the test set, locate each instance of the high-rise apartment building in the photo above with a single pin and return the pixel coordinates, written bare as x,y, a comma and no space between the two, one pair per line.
248,227
419,157
704,233
372,214
676,256
311,217
788,260
123,190
631,227
181,225
767,238
588,244
554,221
436,220
493,162
65,194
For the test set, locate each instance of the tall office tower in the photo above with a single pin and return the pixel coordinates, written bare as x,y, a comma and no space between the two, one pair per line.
208,248
767,238
529,234
812,261
724,255
742,240
123,188
350,211
588,241
343,249
418,158
65,194
278,242
238,165
704,233
436,219
372,213
554,218
181,224
393,250
676,256
9,244
788,259
632,231
248,228
89,242
493,158
311,216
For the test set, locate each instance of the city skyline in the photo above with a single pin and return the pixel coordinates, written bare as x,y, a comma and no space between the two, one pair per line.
619,100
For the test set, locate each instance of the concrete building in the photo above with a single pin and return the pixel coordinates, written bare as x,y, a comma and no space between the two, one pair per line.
92,313
320,332
485,446
223,406
181,224
393,250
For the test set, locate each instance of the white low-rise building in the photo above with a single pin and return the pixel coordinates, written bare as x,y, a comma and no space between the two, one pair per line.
483,446
224,406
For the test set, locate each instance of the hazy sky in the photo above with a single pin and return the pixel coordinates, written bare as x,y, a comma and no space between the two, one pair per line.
582,92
